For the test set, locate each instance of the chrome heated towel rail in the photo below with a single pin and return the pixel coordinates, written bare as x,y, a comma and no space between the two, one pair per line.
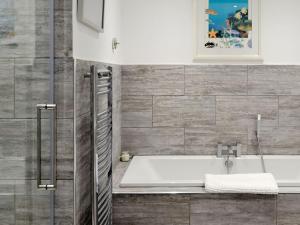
101,126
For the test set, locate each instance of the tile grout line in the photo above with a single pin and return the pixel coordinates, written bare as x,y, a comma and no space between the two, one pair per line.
278,110
247,80
14,71
184,94
152,111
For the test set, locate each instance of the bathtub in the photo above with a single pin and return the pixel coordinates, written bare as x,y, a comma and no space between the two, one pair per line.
189,171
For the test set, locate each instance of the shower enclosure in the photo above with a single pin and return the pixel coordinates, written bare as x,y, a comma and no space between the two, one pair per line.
32,75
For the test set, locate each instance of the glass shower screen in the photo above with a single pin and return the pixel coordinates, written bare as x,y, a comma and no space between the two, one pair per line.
27,112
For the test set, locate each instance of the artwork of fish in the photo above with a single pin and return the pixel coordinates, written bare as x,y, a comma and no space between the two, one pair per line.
210,45
245,26
211,12
210,21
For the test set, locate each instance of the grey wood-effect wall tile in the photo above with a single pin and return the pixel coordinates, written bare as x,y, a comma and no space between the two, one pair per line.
7,187
233,210
32,86
216,80
18,149
64,202
64,87
274,80
117,114
7,88
82,87
32,207
7,210
83,187
288,209
243,110
33,7
289,111
136,111
150,210
63,33
28,30
183,111
277,141
65,5
32,210
27,36
16,138
149,141
153,80
204,140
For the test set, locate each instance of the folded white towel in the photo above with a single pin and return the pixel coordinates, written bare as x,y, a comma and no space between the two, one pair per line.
260,183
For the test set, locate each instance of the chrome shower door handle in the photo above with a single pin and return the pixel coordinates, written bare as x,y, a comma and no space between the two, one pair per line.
52,108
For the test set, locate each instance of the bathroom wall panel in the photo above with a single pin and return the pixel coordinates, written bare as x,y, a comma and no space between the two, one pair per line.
233,210
153,141
289,110
184,111
32,86
7,88
215,80
29,35
151,210
83,185
274,80
63,33
83,173
241,93
32,206
18,148
203,140
137,111
7,209
153,80
82,95
241,111
116,116
280,140
33,7
288,209
194,209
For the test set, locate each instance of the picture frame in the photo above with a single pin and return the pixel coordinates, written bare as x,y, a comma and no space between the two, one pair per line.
227,31
91,13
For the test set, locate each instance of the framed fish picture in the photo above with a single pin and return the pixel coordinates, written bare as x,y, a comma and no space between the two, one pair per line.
227,31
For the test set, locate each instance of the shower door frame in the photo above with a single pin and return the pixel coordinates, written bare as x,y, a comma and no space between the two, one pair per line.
52,101
52,121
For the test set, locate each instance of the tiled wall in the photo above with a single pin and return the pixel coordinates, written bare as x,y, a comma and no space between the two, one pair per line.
83,160
206,209
171,109
24,82
83,188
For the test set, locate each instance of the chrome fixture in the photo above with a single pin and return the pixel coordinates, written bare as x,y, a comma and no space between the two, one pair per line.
228,151
258,126
46,107
115,44
231,150
101,139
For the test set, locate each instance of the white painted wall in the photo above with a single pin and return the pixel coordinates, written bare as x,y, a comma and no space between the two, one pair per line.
160,31
91,45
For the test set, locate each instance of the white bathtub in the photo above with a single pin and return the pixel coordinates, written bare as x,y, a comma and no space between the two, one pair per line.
189,171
